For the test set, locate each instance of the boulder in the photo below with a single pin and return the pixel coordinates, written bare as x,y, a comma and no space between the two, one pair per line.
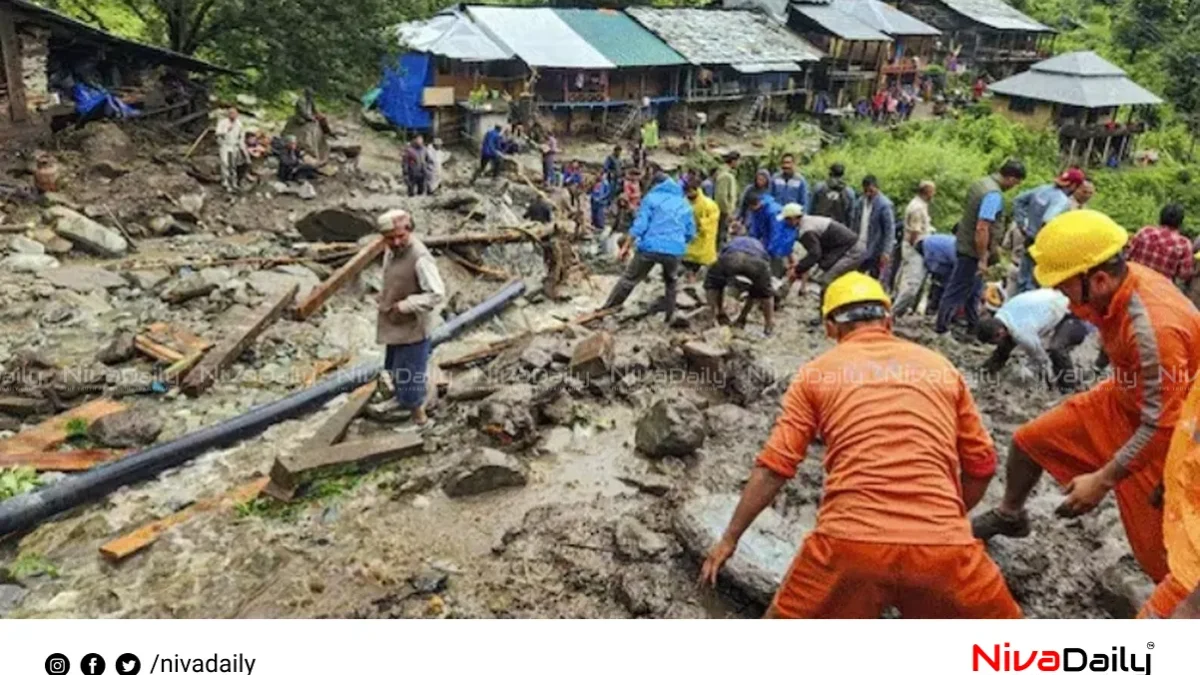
120,350
764,553
165,225
507,415
187,288
485,470
53,243
309,137
471,386
593,356
190,206
28,262
147,279
334,225
670,428
87,233
125,429
83,278
746,379
306,191
1124,588
301,274
107,142
636,542
205,168
22,244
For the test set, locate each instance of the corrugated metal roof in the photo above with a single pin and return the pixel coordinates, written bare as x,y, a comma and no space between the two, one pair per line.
1088,64
1087,91
840,23
775,67
885,18
619,38
997,14
538,37
717,36
453,35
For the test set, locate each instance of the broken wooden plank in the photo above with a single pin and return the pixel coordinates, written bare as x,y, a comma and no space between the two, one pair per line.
155,350
70,461
182,367
123,547
176,338
223,355
481,270
317,297
499,346
335,427
53,431
323,366
290,472
505,237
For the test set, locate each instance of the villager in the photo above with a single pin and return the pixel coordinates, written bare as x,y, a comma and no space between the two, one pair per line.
742,257
231,144
1041,324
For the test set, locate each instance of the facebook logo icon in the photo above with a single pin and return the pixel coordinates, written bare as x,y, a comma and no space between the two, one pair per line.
92,664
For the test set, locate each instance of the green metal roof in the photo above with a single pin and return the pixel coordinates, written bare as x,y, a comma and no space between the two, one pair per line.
619,38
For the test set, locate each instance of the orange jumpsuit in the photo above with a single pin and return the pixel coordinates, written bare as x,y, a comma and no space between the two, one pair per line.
900,429
1181,513
1151,334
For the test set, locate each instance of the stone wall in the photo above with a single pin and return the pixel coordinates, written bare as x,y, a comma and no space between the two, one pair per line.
35,55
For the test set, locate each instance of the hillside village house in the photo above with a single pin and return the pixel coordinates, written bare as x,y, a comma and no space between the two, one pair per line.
1091,102
986,36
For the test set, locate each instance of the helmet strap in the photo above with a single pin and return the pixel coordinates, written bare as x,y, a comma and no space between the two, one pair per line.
1085,279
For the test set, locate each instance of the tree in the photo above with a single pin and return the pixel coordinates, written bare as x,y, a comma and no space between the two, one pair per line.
1143,24
1181,61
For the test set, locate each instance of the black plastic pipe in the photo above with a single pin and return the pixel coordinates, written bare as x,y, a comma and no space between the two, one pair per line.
24,511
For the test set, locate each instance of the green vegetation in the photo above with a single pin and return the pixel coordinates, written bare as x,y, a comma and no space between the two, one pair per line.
76,428
319,491
30,564
17,481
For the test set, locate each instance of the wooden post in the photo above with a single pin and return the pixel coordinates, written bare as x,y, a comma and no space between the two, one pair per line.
1104,157
11,47
1087,157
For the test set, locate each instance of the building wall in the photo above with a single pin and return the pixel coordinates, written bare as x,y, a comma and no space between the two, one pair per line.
34,47
1041,117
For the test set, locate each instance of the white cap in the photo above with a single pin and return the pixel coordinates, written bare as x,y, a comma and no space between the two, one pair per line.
792,210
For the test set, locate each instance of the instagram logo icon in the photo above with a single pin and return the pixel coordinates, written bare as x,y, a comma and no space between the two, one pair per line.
57,664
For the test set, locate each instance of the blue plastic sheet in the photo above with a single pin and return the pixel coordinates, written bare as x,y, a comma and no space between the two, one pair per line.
88,99
400,92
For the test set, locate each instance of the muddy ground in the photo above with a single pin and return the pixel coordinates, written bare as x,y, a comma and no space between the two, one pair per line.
592,533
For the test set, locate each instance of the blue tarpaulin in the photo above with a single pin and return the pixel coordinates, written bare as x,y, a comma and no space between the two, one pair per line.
87,99
400,93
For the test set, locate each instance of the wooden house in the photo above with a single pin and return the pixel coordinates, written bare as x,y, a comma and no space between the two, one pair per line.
984,36
1092,103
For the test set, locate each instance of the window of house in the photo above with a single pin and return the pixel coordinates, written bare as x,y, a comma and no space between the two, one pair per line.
1022,105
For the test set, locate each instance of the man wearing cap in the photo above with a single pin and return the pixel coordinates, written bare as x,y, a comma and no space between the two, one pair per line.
977,243
1034,208
742,257
906,456
828,245
725,194
1113,437
1083,195
412,288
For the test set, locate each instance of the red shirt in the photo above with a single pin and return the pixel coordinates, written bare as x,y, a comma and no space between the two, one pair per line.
1163,250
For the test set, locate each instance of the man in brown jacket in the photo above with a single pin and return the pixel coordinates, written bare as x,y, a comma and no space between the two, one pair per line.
412,288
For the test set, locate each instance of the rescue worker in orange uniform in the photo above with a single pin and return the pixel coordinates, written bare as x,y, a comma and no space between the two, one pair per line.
1114,436
906,456
1178,595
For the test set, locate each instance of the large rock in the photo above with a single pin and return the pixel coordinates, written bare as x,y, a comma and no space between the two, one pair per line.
28,262
507,415
83,278
87,233
53,243
309,137
485,470
670,428
471,386
190,206
22,244
120,350
125,429
187,288
148,279
593,356
107,142
331,225
764,553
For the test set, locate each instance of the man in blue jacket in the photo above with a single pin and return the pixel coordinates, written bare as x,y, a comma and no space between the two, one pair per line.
1038,206
763,222
661,232
787,186
490,153
938,258
874,218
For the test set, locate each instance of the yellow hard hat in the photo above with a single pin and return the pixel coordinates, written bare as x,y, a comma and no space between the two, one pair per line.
851,288
1074,243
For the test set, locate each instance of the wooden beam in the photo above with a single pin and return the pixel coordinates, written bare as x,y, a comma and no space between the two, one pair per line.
53,431
75,460
11,46
223,355
322,366
505,237
307,307
335,427
498,346
123,547
290,472
154,350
